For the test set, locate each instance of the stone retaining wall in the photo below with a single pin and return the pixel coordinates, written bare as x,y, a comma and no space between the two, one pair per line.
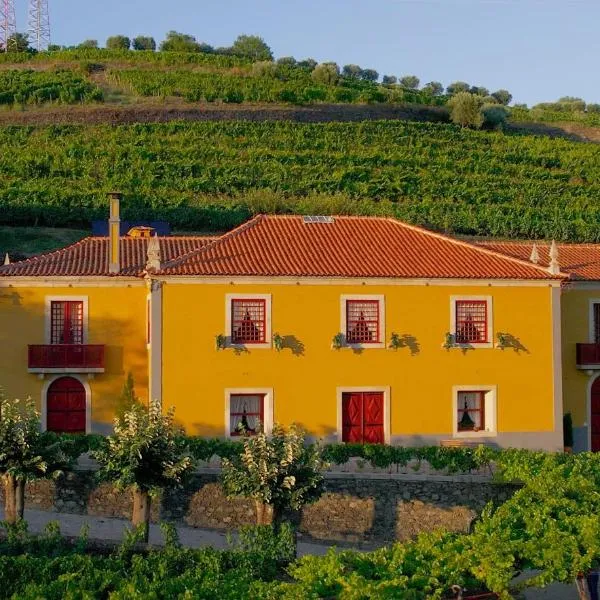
356,507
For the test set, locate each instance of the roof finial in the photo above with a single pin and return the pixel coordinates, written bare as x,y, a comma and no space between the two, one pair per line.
535,255
6,259
153,254
554,267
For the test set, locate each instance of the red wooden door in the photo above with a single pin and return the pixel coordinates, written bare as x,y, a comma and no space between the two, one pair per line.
595,415
65,406
362,417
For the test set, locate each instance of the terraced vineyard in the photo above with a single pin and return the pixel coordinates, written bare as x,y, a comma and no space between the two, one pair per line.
211,176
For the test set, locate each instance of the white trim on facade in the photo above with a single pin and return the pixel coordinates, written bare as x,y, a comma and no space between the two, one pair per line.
490,320
557,365
268,327
88,400
386,408
343,319
267,409
490,411
48,316
156,341
591,332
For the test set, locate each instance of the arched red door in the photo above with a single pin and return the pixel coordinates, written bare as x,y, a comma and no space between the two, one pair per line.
595,415
66,406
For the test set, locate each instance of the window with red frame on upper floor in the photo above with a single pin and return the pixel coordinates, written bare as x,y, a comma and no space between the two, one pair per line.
471,322
66,322
248,321
362,322
246,414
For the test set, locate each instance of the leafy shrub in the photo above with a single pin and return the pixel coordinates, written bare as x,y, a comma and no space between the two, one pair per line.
465,110
494,115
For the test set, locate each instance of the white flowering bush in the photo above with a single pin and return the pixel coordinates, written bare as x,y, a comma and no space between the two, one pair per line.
277,471
145,454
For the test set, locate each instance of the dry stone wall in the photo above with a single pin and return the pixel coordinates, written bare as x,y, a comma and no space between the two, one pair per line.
356,508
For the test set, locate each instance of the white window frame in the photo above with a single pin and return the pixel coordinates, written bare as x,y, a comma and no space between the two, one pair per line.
490,411
268,327
340,391
344,324
490,320
48,315
591,336
267,409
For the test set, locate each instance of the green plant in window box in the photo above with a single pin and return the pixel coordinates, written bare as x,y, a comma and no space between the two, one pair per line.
220,341
277,342
338,341
449,341
503,340
395,341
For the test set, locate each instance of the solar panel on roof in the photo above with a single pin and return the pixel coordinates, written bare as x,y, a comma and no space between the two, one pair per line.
318,219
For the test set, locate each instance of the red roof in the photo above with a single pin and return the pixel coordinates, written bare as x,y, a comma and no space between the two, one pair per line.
89,257
581,261
274,246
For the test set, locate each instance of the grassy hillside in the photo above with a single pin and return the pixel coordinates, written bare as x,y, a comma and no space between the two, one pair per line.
212,176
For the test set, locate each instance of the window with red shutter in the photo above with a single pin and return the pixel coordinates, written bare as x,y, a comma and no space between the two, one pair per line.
248,321
362,322
471,322
66,322
363,417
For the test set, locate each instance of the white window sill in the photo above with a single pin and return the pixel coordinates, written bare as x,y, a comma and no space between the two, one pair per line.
364,346
472,346
264,346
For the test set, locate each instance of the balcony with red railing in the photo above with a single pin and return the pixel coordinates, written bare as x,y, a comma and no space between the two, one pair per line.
588,356
66,358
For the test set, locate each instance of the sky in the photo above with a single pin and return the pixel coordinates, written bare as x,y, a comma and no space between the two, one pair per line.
539,50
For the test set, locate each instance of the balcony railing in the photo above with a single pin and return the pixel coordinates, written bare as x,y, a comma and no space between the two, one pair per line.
61,358
588,356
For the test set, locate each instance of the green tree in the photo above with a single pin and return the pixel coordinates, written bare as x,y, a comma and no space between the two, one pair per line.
465,110
127,400
352,71
503,96
145,456
278,472
494,115
435,88
251,46
410,82
286,61
479,90
55,48
18,42
369,75
118,42
308,63
179,42
143,42
88,44
390,79
457,87
326,73
264,68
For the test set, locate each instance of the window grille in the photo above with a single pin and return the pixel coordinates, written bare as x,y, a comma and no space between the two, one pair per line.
471,411
246,414
66,322
248,321
362,321
471,322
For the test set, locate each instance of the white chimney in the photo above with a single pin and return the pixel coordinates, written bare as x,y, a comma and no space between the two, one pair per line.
153,254
554,267
7,259
114,233
535,255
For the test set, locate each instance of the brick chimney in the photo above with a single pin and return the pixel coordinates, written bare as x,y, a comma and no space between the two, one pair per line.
114,233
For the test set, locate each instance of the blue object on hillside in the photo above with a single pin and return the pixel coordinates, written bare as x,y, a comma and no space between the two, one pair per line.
100,228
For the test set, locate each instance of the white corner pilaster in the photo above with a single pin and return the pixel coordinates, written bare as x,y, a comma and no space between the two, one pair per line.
154,325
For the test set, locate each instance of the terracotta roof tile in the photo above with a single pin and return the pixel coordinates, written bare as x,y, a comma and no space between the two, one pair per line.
347,247
89,257
581,261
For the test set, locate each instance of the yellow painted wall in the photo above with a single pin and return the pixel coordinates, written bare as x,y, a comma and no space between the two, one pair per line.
575,329
117,318
195,374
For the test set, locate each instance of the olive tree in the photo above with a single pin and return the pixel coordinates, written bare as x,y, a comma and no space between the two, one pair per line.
251,46
118,42
457,87
179,42
88,44
369,75
143,42
410,82
435,88
352,71
465,110
145,456
389,80
494,115
25,453
502,96
278,472
327,73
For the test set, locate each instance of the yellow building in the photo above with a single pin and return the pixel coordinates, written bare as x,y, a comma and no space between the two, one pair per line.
360,329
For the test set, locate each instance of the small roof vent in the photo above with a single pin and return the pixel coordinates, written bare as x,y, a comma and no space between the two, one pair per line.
140,232
318,219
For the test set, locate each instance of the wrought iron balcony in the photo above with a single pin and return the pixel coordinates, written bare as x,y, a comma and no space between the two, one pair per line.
588,356
66,358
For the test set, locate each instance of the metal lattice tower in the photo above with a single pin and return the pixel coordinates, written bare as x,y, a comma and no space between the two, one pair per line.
8,23
39,25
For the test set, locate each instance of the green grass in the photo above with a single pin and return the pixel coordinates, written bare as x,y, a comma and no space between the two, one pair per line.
27,241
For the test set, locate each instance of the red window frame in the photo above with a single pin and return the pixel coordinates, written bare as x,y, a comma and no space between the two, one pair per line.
260,414
248,320
66,322
362,322
471,318
479,410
